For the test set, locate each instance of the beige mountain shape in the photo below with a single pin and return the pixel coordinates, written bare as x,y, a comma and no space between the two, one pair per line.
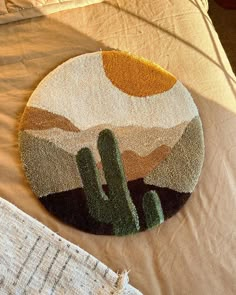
140,140
181,169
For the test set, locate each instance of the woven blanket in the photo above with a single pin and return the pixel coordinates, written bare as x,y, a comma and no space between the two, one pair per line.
111,143
35,260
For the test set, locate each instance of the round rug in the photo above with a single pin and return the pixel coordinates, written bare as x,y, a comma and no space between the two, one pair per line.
111,143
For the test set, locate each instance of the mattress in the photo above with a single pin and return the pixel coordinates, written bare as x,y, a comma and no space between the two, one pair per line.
194,251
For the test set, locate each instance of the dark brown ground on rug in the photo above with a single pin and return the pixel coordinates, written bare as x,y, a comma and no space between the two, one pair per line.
71,206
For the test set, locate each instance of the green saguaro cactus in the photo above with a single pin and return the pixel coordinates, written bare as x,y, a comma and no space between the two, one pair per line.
118,208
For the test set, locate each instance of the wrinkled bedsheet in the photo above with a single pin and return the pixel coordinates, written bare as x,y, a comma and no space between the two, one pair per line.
194,252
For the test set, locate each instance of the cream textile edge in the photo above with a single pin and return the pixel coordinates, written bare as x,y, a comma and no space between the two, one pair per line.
35,259
35,11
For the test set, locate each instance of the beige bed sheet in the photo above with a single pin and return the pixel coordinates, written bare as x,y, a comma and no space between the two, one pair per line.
15,10
195,251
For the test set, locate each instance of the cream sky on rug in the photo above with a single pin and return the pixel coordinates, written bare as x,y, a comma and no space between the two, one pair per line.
84,77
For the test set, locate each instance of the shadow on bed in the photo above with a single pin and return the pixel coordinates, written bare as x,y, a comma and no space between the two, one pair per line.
74,43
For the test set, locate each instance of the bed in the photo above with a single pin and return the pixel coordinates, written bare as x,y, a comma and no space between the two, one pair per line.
194,251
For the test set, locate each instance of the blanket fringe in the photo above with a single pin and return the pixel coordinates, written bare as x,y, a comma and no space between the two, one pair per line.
122,282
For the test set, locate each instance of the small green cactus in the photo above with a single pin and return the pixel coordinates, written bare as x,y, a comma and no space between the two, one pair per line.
152,209
118,209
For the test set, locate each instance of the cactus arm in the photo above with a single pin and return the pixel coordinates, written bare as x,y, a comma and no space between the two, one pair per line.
98,203
152,209
125,217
